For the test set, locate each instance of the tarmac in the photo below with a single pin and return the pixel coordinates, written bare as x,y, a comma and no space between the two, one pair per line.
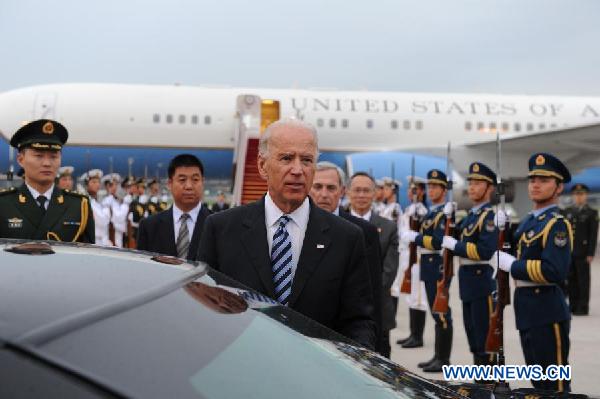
584,355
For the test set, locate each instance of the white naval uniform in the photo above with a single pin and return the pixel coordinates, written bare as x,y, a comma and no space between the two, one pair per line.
417,299
101,221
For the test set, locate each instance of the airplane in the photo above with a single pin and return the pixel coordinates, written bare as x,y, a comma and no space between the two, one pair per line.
136,129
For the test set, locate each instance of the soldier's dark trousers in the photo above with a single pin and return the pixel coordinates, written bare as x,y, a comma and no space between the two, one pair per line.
476,318
547,345
444,320
579,285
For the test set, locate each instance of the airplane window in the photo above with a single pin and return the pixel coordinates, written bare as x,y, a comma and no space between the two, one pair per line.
207,120
320,122
332,123
181,118
194,119
369,123
542,126
419,125
406,125
493,126
505,126
169,118
344,123
156,118
480,126
529,127
553,125
468,125
517,127
394,124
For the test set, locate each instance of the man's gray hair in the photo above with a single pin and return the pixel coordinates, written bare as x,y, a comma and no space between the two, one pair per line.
326,165
263,144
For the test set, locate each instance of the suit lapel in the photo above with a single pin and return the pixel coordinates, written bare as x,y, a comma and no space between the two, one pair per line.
316,242
202,215
28,207
254,240
166,225
56,209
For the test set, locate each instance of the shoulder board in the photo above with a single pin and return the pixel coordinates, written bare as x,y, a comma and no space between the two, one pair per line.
557,215
75,194
6,191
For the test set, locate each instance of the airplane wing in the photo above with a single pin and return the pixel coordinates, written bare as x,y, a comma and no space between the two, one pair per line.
577,147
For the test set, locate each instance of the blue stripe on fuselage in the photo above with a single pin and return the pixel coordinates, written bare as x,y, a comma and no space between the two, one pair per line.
218,163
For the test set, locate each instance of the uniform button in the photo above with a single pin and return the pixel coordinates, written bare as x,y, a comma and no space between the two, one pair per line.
478,271
537,291
431,258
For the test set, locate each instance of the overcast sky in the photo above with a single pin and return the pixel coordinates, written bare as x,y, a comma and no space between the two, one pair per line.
508,46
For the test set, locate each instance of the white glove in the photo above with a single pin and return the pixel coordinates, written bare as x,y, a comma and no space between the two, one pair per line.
411,210
500,219
449,208
502,260
409,236
421,209
449,243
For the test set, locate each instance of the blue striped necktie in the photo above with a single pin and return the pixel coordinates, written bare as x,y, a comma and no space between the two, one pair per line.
281,262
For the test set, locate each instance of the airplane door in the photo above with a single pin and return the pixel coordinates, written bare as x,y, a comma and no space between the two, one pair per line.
45,106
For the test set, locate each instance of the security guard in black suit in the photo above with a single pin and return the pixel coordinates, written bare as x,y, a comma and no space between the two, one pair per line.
543,245
584,220
430,240
38,209
478,240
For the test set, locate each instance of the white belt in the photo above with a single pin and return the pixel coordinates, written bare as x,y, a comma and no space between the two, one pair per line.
469,262
425,251
525,283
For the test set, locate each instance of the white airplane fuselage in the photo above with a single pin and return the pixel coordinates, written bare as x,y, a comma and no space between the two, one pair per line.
125,118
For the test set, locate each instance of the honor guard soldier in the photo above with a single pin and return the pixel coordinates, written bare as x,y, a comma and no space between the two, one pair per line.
92,179
584,221
417,299
153,205
543,252
391,210
430,240
478,240
65,178
137,208
38,209
378,204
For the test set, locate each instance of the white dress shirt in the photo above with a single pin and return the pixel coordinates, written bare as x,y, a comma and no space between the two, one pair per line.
191,221
366,216
296,227
35,194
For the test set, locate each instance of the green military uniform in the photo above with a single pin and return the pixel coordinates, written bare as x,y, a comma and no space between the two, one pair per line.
67,216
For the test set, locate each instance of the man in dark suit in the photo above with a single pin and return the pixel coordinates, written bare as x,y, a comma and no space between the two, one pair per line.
177,230
288,248
362,193
326,191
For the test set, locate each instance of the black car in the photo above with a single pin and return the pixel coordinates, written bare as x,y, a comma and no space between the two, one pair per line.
85,321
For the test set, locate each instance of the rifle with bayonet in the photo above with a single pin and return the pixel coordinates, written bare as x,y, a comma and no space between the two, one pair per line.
415,225
442,296
495,338
494,342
